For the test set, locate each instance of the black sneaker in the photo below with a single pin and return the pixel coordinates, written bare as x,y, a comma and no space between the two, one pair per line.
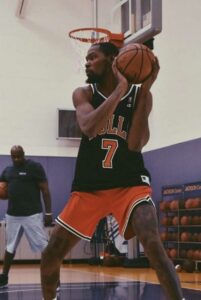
3,281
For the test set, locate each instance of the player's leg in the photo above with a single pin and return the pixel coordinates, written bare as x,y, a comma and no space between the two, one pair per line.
144,223
35,232
14,233
61,242
8,259
77,220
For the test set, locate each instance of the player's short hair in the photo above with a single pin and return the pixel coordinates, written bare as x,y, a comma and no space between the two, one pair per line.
108,48
17,148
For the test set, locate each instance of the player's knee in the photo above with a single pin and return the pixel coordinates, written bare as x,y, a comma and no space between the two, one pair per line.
50,253
155,250
151,242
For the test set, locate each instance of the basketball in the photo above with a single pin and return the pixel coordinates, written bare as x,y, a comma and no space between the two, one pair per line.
109,261
3,190
189,266
135,62
173,253
174,205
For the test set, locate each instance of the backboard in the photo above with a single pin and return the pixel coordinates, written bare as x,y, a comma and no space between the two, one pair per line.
138,20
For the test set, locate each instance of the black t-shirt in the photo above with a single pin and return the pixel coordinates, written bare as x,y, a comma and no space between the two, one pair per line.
23,188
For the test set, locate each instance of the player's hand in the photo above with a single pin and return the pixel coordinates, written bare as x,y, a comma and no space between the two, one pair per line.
150,80
48,220
119,75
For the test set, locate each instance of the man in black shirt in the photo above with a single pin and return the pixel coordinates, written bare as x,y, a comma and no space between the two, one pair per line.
25,180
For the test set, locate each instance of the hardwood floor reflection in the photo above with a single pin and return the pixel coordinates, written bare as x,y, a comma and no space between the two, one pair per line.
72,273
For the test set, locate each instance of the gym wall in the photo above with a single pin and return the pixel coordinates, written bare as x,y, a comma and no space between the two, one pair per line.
39,72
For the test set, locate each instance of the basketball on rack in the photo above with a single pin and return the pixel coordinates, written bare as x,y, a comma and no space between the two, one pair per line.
135,62
189,265
3,190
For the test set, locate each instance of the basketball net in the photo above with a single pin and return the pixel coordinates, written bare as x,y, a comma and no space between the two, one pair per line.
83,38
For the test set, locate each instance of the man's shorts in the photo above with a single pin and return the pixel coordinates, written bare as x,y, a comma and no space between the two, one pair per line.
33,228
84,210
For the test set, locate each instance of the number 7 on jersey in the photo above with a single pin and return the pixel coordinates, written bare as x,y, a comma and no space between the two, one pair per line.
111,147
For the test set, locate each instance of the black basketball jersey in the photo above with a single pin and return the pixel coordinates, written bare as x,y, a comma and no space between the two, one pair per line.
105,162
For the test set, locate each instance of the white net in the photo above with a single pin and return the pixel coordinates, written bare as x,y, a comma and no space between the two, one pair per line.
81,41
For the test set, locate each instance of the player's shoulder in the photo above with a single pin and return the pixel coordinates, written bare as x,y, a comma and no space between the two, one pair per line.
87,89
84,92
8,169
33,164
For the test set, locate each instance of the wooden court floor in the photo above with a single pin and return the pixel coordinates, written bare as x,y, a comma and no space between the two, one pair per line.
86,282
22,274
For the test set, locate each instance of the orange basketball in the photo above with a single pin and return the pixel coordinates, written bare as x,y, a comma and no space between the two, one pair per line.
175,220
162,205
164,236
185,220
3,190
173,253
185,236
195,203
174,204
196,254
135,62
166,221
189,253
188,203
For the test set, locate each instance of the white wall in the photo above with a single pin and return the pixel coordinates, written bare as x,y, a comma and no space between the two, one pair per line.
38,72
177,99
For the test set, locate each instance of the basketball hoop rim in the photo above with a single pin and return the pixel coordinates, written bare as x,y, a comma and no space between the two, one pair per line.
109,36
90,40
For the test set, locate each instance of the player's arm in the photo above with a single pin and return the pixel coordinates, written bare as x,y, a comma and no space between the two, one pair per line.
44,188
139,131
91,120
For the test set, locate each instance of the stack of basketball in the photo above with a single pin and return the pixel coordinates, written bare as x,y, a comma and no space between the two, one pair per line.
193,203
185,215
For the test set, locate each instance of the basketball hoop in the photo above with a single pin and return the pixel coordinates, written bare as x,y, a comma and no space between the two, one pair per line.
82,37
90,35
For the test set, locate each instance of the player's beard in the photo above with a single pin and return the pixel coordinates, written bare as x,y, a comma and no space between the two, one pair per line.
18,163
93,78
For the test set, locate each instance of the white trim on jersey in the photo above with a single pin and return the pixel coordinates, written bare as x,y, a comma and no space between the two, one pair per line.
126,95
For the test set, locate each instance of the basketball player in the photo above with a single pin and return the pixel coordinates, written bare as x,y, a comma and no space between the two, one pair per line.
110,176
